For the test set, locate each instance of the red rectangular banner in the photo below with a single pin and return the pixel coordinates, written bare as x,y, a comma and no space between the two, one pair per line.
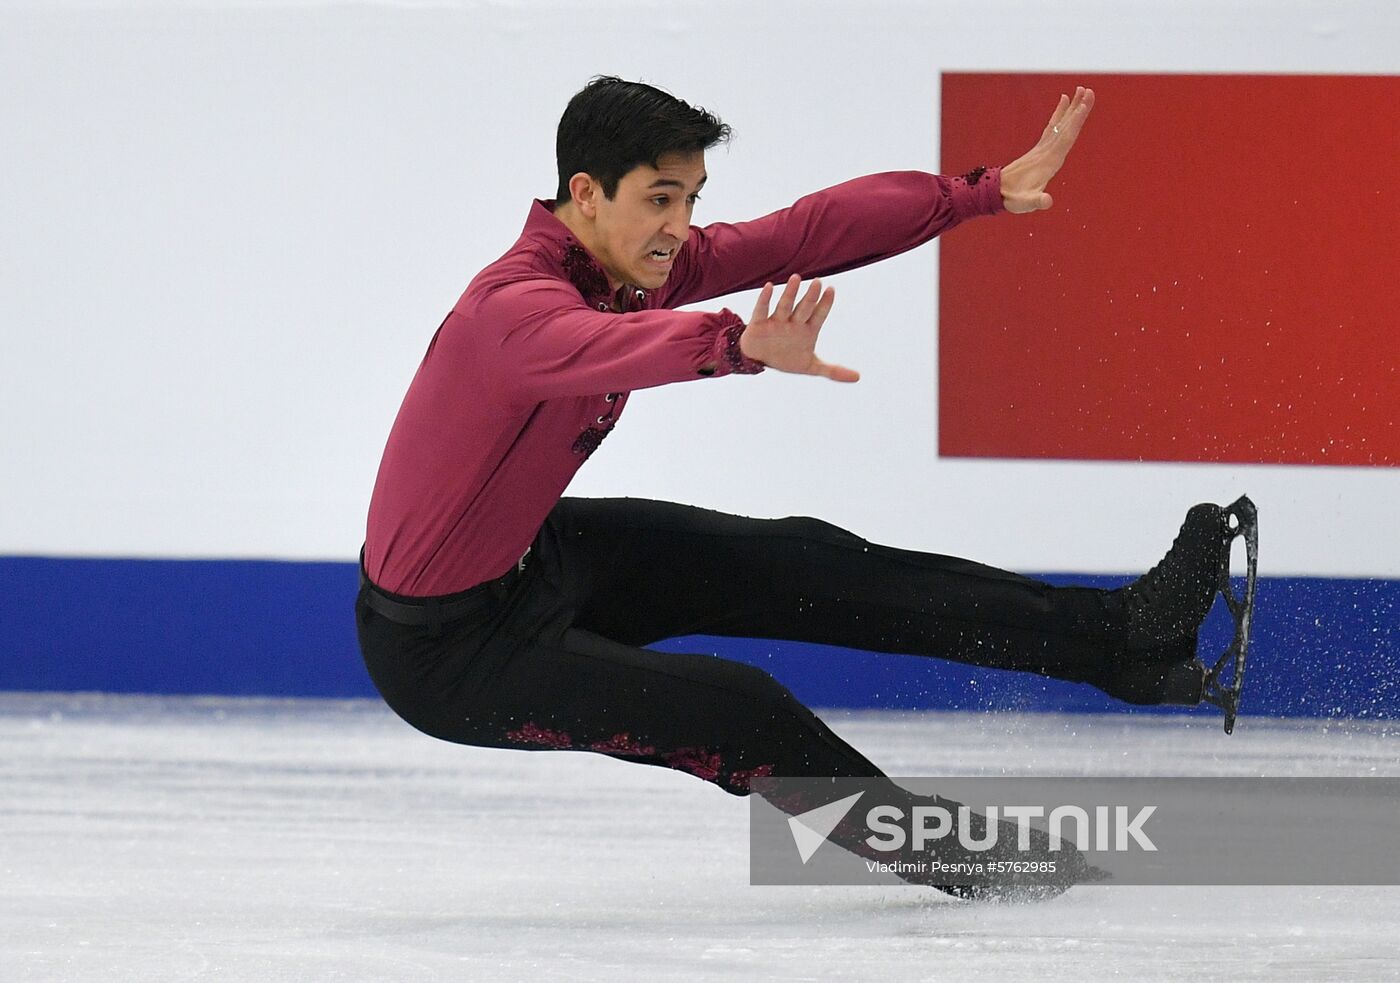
1219,278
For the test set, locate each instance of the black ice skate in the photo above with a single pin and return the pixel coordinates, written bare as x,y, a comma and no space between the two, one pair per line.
1165,608
1172,599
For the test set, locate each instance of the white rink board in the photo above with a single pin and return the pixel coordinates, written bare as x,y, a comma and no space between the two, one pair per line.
228,232
178,839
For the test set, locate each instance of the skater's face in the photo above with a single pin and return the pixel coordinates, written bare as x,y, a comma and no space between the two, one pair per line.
637,233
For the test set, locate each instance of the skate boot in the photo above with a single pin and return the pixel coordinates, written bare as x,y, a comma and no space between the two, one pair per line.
1168,675
1165,607
1172,599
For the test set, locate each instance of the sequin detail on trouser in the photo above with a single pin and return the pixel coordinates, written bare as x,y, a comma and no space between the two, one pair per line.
709,765
536,736
700,762
740,781
697,761
623,744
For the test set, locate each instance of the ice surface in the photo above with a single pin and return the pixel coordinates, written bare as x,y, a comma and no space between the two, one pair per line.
170,839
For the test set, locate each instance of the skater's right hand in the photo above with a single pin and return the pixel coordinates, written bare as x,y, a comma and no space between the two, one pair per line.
786,338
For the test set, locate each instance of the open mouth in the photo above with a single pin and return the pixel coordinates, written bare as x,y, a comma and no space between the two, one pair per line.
661,255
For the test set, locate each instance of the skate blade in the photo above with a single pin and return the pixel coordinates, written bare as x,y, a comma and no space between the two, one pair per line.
1219,690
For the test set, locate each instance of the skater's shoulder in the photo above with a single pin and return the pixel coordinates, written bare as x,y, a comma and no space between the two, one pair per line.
542,259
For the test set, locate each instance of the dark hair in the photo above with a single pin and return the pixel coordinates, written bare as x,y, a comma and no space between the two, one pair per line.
611,126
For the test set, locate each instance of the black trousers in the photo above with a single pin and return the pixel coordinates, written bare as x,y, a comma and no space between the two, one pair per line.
556,662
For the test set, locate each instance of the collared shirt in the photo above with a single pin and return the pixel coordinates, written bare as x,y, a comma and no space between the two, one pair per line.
533,366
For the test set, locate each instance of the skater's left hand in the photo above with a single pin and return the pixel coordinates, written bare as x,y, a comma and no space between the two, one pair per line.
785,338
1023,181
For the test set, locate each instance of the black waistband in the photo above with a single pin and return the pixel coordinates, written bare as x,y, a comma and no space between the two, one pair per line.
423,612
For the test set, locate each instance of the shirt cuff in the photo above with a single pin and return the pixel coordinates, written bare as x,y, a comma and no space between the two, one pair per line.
978,192
728,357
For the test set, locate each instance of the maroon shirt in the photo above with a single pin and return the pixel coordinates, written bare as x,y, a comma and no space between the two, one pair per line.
532,368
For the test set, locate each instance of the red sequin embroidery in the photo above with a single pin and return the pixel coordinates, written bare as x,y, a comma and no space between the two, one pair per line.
623,744
533,733
584,273
699,762
740,780
588,441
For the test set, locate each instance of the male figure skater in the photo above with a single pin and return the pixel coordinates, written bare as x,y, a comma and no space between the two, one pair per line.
495,612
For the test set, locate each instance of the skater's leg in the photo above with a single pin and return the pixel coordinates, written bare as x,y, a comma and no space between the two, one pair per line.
640,571
724,722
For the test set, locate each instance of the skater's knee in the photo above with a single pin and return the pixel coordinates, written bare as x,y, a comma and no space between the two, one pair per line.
773,715
426,719
744,692
761,689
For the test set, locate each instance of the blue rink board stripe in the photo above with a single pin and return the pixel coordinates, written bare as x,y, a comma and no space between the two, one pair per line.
1321,647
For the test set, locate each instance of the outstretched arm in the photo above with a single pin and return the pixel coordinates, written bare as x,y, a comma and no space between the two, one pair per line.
868,219
536,339
841,228
785,337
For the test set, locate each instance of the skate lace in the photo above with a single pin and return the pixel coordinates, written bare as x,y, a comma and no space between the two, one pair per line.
1144,591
